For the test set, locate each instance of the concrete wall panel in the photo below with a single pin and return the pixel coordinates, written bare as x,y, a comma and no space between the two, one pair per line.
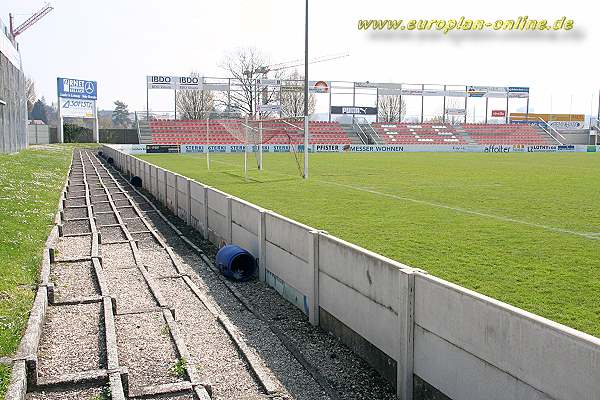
289,268
245,215
183,198
486,328
197,205
288,234
245,239
171,192
460,375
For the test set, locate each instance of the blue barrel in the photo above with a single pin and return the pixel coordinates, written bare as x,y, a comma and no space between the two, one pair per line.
236,263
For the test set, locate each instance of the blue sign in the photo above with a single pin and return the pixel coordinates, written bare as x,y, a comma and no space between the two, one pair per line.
77,88
518,89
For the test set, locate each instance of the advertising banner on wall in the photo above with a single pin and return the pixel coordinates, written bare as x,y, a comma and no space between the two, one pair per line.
557,121
352,110
498,113
518,91
319,86
340,148
77,108
455,111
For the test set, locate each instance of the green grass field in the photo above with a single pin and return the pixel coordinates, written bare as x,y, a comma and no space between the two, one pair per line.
522,228
30,185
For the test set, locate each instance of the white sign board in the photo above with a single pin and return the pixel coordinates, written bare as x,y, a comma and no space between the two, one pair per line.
77,108
275,108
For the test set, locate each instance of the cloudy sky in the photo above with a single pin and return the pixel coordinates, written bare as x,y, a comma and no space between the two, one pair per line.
118,43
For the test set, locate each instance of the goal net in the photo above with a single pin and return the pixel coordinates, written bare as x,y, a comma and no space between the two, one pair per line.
280,135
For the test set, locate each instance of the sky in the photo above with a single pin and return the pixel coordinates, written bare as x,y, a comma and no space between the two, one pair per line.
118,43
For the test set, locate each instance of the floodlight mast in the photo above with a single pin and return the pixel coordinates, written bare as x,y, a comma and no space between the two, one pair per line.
306,133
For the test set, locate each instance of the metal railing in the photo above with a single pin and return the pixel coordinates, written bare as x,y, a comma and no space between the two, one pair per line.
546,127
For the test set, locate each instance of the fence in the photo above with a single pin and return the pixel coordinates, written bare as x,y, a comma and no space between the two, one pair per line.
410,326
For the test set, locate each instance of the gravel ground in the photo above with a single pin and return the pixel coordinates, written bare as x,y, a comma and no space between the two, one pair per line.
112,234
119,196
75,246
146,348
79,227
102,207
99,198
135,225
127,212
75,212
72,340
144,206
106,219
341,367
178,396
130,290
78,187
75,202
76,393
158,262
116,256
122,203
74,280
73,194
209,345
146,241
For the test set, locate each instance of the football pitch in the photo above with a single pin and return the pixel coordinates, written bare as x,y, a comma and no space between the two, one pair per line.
521,228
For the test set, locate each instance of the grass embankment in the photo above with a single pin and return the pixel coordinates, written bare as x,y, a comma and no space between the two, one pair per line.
30,186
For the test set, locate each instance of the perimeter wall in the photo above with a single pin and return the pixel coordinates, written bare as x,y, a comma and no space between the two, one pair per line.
13,104
430,338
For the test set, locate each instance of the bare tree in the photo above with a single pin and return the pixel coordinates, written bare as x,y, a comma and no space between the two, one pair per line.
246,66
195,104
30,93
292,98
391,108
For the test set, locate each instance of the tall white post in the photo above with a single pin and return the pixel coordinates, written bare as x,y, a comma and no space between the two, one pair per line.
260,146
306,133
207,145
96,132
246,151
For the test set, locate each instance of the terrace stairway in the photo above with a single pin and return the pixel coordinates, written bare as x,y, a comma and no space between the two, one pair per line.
353,134
460,131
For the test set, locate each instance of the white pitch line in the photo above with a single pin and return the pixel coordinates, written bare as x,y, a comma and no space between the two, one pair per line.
591,236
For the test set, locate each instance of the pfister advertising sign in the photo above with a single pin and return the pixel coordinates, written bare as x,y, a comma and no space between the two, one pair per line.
77,89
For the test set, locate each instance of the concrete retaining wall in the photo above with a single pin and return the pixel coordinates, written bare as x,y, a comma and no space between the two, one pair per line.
13,109
410,326
38,134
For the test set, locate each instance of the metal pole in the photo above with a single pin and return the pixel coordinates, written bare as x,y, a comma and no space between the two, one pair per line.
377,104
422,102
246,151
175,102
306,132
260,146
506,116
331,89
466,97
228,95
147,104
444,106
207,147
486,109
